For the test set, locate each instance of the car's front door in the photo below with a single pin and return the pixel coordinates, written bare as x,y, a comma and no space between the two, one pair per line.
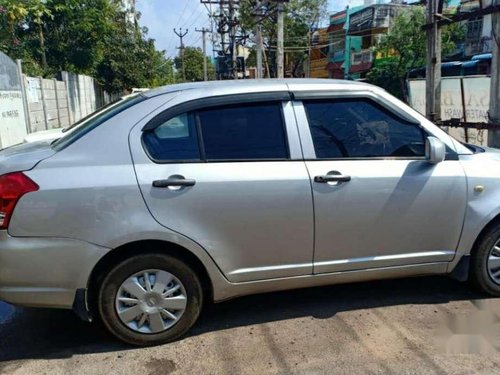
232,178
377,201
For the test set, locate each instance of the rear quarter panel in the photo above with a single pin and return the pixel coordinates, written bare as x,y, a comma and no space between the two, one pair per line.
89,192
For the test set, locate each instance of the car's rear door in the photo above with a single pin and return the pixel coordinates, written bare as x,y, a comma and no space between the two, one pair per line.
232,178
377,201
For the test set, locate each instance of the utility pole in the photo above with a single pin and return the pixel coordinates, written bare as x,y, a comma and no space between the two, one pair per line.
203,31
227,26
433,70
494,110
258,42
309,37
232,40
260,12
181,35
280,51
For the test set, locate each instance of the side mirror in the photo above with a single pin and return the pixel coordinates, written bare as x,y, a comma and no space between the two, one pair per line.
435,150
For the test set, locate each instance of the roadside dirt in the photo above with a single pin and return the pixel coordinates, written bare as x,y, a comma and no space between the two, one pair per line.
386,327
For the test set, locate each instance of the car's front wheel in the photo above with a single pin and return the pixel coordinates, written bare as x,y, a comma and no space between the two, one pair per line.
485,262
150,299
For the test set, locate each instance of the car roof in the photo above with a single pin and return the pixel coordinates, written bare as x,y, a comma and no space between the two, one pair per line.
213,88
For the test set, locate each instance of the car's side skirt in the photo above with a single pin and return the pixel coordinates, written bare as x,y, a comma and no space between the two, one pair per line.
233,290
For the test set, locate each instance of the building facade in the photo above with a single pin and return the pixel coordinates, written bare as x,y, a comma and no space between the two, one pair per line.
370,24
341,44
478,31
319,54
354,33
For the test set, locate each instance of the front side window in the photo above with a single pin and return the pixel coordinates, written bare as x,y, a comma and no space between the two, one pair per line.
252,131
360,128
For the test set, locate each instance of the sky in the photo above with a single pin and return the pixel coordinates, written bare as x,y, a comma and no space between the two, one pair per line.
162,16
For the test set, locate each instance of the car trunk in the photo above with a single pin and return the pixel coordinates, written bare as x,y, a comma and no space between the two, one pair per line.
24,156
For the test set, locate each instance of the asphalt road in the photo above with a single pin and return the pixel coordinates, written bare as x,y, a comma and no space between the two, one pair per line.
386,327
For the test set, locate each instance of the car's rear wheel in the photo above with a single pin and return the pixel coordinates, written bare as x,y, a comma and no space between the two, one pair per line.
485,262
150,299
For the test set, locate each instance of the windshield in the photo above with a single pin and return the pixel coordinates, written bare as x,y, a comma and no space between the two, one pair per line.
85,125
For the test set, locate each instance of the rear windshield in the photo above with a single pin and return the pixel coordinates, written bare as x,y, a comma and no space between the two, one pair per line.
92,121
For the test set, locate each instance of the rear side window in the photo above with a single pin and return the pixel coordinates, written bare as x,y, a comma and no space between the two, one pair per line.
360,128
239,132
175,139
243,132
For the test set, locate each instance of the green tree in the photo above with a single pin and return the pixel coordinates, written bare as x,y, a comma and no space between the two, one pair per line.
79,34
404,48
82,36
301,18
16,35
193,65
132,62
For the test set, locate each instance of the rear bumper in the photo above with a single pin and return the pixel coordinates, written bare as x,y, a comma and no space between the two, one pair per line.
45,272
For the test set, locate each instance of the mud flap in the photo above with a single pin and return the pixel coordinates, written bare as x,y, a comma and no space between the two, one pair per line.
80,307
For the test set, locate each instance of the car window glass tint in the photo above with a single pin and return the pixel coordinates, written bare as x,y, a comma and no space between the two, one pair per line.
350,128
175,139
243,132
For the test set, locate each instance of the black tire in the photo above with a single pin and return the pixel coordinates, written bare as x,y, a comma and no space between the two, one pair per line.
479,274
128,267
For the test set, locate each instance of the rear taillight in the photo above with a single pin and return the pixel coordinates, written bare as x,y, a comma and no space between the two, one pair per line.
12,187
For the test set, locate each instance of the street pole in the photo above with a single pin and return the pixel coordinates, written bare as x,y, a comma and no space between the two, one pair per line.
433,69
181,48
494,110
232,36
258,42
280,52
203,31
309,37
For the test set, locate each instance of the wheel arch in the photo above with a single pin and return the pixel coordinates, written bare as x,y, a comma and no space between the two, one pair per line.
490,224
460,267
127,250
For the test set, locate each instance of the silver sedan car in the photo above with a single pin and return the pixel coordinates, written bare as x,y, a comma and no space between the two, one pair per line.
208,191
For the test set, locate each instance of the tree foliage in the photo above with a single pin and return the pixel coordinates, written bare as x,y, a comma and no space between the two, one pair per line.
193,65
82,36
404,48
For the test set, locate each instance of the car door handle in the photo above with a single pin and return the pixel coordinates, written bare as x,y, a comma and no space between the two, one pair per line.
332,178
173,182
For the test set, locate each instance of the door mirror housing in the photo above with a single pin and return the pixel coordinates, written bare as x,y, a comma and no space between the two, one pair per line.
435,150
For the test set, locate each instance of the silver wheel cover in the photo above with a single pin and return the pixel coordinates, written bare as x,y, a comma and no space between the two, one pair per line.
151,301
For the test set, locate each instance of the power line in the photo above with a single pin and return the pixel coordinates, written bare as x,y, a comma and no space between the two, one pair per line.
194,22
228,28
177,24
196,16
182,13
